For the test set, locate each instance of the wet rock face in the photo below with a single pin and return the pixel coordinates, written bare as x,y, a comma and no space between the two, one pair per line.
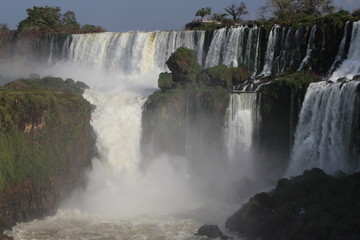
311,206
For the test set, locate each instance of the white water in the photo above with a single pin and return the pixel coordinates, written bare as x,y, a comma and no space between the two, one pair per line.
270,50
341,51
309,49
351,66
240,124
122,200
324,133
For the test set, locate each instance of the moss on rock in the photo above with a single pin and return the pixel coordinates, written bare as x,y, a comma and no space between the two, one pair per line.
165,81
46,142
182,63
216,76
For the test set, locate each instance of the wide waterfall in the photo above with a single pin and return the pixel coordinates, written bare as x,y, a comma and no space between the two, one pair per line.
163,198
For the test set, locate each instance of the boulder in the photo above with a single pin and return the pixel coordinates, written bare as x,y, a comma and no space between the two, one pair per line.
210,231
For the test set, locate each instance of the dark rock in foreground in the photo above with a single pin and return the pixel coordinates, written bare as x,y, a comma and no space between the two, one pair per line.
210,231
312,206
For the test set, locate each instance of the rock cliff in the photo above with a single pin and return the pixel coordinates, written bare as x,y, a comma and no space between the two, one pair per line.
46,143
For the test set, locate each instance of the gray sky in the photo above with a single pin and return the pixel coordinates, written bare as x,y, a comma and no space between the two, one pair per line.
126,15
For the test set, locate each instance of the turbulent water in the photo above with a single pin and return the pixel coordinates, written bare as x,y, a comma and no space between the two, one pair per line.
124,200
240,124
324,135
326,132
351,65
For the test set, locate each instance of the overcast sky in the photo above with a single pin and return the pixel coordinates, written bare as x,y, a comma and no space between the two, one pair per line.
127,15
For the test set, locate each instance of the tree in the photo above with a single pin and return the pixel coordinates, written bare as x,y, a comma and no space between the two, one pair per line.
219,17
356,13
202,12
69,21
4,27
92,28
293,9
237,12
41,18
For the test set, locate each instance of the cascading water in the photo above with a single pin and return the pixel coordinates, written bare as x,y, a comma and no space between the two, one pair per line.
351,66
235,47
240,123
310,48
341,51
270,50
324,134
121,70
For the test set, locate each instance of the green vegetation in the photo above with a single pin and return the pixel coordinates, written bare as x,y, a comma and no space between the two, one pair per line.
285,12
298,9
38,129
237,12
182,63
187,72
50,19
49,83
295,83
216,76
165,81
202,12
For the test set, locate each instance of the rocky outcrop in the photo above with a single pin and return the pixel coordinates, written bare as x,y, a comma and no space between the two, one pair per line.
311,206
211,231
187,113
46,143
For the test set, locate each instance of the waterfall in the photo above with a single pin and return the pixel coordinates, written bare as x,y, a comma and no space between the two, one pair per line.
270,50
251,60
351,66
341,52
133,52
310,47
213,57
289,49
235,47
323,136
240,124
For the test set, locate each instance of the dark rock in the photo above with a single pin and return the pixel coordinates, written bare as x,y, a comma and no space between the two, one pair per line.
282,184
5,237
312,206
210,231
356,77
339,174
343,79
315,174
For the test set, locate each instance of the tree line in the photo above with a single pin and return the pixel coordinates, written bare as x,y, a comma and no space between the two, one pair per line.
279,10
51,19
